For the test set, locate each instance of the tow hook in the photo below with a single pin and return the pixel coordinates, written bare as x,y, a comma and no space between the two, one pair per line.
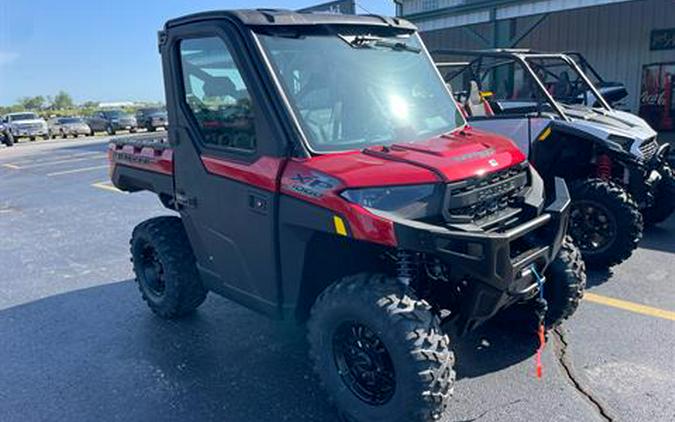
540,308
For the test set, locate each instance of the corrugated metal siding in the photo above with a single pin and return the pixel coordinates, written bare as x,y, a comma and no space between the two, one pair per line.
546,6
464,19
419,6
614,38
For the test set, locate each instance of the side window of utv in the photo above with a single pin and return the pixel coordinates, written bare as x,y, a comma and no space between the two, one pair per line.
216,94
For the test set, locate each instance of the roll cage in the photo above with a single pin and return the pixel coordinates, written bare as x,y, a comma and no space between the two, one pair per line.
479,64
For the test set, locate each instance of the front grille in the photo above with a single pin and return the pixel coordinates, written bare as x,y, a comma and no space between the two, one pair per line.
29,126
648,148
487,200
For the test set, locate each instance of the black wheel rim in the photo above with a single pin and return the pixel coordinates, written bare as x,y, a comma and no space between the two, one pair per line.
364,363
592,226
152,272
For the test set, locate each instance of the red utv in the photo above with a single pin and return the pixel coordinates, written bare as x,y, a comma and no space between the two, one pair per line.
342,188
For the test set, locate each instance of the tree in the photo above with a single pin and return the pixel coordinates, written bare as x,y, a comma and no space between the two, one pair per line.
32,103
62,100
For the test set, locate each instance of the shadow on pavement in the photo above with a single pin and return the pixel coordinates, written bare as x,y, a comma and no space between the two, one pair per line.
660,237
99,353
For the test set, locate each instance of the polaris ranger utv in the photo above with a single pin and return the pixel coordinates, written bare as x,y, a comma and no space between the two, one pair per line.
323,173
610,159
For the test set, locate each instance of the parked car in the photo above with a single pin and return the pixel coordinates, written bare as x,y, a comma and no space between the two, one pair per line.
305,188
618,175
151,118
66,126
5,135
110,121
26,125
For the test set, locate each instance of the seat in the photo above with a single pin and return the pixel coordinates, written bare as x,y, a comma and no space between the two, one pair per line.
475,104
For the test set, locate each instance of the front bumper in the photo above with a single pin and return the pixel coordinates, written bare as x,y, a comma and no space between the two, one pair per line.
496,266
30,132
644,177
158,123
80,130
124,125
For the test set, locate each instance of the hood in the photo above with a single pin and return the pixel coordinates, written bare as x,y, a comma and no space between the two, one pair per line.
456,156
602,123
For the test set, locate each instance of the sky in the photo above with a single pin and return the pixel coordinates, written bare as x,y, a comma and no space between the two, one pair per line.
101,50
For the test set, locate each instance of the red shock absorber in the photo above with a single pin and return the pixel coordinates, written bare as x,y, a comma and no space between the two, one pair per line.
604,170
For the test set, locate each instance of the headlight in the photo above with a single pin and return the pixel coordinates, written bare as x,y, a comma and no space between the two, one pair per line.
390,198
622,141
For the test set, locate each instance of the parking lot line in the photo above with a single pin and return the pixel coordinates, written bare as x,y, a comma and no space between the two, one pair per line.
11,166
78,170
630,306
51,157
68,160
106,186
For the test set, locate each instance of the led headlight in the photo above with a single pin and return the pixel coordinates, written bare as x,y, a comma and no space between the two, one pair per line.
391,198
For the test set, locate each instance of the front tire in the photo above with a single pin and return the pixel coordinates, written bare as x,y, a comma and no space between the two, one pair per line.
379,351
165,267
110,131
664,199
605,222
8,139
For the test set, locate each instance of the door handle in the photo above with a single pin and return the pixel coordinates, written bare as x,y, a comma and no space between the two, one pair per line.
184,201
257,203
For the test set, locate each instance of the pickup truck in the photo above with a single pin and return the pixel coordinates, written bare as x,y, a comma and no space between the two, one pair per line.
318,169
26,125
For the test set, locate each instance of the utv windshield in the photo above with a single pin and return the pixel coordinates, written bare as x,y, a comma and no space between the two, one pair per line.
355,91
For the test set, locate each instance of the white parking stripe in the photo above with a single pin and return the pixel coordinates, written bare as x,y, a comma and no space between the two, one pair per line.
59,173
70,160
54,157
107,186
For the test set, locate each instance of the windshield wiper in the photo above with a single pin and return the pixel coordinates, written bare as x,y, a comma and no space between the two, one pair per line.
369,41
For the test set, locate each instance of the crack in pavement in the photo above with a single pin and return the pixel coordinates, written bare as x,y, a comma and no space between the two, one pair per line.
560,350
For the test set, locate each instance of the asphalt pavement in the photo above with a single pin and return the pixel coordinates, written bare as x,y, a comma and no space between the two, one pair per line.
77,342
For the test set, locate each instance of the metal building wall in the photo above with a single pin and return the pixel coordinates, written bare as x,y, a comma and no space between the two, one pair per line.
614,38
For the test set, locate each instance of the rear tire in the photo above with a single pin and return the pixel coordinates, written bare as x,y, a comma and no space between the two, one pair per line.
110,131
402,365
563,290
664,199
605,222
165,267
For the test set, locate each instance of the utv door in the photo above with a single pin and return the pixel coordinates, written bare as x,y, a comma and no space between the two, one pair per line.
226,163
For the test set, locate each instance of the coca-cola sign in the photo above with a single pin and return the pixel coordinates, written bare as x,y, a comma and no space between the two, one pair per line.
657,96
662,39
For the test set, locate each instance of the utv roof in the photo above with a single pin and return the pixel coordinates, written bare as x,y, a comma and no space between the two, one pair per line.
281,17
497,52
